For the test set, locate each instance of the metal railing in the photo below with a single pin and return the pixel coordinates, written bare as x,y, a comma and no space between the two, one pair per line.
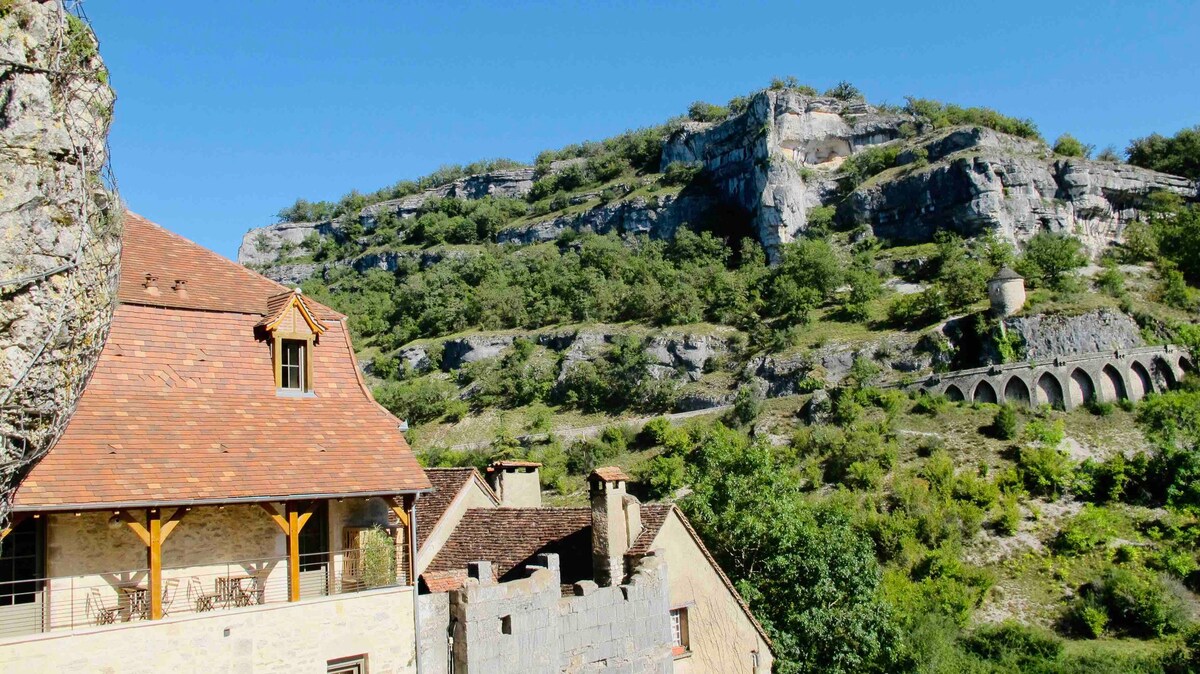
97,599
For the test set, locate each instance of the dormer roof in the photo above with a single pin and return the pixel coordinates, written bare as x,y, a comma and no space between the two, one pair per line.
283,308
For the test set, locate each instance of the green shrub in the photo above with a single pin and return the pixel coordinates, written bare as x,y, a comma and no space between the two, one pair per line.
707,112
845,91
1089,529
1137,603
1087,616
1178,155
746,405
1050,257
1008,519
378,558
930,404
942,115
584,456
416,401
1004,423
682,173
1068,146
1045,471
1011,640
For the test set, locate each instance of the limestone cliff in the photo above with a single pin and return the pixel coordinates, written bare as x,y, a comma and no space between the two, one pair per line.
59,226
980,180
777,160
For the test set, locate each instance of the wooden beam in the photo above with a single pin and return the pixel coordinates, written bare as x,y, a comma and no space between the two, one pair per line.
298,514
14,521
154,559
399,505
275,516
173,522
137,527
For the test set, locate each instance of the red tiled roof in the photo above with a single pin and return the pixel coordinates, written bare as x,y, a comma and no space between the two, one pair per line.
510,538
654,515
182,405
278,304
214,283
444,581
447,484
609,474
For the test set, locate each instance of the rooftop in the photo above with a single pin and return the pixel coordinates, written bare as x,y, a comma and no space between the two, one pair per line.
182,406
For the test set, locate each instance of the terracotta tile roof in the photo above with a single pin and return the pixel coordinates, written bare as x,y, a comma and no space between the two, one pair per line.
213,283
609,474
182,405
280,303
443,581
654,515
510,538
514,464
447,484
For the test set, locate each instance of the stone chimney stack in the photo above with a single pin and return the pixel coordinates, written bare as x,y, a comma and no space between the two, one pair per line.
517,483
610,526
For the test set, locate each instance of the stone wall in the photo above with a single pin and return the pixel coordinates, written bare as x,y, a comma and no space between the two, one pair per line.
525,626
1067,382
59,226
295,638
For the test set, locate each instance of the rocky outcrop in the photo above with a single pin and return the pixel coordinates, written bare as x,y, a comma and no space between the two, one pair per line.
266,245
1050,335
657,217
60,227
980,180
776,159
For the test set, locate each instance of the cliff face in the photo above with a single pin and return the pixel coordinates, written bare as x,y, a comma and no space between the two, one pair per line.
980,180
782,156
776,160
59,227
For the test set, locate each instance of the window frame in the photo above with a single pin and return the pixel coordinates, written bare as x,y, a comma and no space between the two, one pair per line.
305,342
681,645
18,587
355,664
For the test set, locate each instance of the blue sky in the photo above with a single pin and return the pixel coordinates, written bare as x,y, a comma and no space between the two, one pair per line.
228,111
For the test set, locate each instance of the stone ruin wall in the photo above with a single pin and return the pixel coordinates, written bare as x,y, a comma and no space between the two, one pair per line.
60,226
622,629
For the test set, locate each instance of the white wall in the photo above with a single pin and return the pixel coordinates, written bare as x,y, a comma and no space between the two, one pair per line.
295,638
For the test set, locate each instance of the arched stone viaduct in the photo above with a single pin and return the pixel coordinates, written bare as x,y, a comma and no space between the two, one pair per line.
1067,382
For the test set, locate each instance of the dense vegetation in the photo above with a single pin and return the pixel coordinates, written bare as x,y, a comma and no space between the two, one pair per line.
1179,154
869,529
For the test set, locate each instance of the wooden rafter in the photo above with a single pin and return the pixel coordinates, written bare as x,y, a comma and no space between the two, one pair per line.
14,521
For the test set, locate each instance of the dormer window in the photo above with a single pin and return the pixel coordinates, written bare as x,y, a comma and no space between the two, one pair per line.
293,356
293,331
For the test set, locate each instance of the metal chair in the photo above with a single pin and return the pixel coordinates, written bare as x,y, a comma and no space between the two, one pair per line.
200,600
97,612
170,589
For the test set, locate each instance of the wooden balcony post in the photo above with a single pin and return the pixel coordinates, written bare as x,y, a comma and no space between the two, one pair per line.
154,561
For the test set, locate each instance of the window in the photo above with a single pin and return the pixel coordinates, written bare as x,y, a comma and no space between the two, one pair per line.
314,540
292,365
679,631
506,624
355,664
21,563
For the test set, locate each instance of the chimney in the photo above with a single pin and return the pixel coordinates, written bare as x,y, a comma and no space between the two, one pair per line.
151,284
517,483
180,287
610,528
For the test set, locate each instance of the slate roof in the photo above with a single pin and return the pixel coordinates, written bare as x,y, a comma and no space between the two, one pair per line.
447,484
1006,274
510,538
182,406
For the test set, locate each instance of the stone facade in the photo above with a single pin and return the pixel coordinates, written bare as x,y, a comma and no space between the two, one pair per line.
299,638
59,226
1006,292
526,626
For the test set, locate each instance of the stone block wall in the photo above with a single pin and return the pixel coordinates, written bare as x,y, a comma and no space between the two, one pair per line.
526,626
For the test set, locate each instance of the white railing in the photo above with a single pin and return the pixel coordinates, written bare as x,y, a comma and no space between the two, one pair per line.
98,599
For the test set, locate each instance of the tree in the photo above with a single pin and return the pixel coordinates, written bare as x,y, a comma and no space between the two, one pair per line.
1069,146
845,91
809,574
1178,155
1050,256
707,112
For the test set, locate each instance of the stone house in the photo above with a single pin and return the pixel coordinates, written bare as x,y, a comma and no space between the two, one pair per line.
570,581
227,496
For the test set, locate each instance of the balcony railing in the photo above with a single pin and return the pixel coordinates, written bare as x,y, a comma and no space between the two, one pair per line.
98,599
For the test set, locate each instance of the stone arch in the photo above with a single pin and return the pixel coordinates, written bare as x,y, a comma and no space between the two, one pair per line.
1050,390
985,393
1140,382
1112,385
1080,389
1016,392
1186,366
954,394
1164,374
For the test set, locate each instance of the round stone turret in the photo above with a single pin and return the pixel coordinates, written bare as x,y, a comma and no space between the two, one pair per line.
1006,290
